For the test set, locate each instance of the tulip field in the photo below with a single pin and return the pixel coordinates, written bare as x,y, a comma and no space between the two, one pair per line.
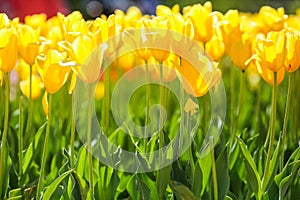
188,104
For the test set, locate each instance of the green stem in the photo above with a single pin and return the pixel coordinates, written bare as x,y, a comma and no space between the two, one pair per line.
20,140
105,108
232,97
4,135
213,165
72,141
89,143
286,115
162,96
257,110
147,106
237,112
272,132
182,91
190,143
45,149
30,107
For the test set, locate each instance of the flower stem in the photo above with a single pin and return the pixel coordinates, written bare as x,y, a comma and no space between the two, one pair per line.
238,109
4,135
286,115
213,165
272,131
20,140
190,143
162,94
30,106
147,106
72,141
44,156
232,97
89,143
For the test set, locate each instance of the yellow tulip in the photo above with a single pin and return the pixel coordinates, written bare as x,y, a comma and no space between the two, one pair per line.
292,61
29,43
268,75
198,83
165,11
36,89
89,57
215,48
230,29
132,38
240,52
4,20
132,15
73,25
36,21
203,22
161,36
1,77
272,19
8,49
53,73
271,51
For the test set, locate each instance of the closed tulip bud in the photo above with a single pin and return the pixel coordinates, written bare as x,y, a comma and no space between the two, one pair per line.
292,61
8,49
36,89
53,74
29,43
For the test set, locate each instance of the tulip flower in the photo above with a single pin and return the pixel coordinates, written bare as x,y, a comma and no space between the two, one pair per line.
202,19
268,75
4,20
239,52
53,74
271,51
230,29
215,48
29,43
37,86
8,49
36,21
292,61
272,19
195,82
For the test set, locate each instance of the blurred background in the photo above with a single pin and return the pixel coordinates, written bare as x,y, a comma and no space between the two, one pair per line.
93,8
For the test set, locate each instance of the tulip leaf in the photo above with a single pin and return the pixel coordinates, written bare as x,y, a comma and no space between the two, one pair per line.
252,173
54,185
273,167
222,174
183,192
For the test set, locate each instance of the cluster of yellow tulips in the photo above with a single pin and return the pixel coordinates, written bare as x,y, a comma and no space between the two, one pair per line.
266,42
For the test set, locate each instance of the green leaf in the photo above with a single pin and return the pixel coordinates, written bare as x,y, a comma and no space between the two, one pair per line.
80,167
222,174
288,166
205,165
184,192
29,152
163,177
132,187
286,182
273,167
81,183
197,180
150,184
53,186
252,173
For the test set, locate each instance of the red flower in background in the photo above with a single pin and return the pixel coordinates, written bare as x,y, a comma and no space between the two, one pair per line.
21,8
